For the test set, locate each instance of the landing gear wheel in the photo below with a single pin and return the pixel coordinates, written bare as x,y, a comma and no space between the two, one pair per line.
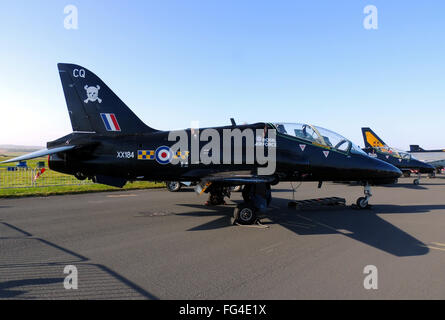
80,176
245,214
173,186
362,203
407,174
416,182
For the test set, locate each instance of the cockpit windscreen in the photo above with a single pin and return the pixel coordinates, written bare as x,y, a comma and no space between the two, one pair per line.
318,135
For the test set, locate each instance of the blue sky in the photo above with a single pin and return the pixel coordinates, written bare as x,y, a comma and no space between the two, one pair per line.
173,62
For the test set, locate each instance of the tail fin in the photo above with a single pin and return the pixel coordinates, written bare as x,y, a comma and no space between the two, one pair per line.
371,139
415,148
93,107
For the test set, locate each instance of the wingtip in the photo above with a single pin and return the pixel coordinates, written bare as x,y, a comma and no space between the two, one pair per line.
7,161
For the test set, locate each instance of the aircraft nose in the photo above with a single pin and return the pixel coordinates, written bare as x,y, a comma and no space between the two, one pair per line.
382,172
389,171
425,167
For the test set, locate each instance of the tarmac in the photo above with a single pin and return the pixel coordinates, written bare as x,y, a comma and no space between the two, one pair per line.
153,244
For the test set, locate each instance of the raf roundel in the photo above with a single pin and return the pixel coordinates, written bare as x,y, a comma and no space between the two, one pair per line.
163,155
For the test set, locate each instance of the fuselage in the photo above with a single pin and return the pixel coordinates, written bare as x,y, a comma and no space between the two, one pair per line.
434,158
141,157
403,161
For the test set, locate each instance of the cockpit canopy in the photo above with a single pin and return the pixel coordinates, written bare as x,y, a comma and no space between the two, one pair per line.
317,135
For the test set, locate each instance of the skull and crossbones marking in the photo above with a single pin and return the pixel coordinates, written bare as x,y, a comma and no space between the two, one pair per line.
92,94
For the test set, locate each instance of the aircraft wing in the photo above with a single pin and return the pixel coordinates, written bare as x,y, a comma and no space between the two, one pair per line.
40,153
238,179
232,179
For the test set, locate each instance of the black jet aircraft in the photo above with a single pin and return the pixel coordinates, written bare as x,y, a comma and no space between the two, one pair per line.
111,145
436,157
375,147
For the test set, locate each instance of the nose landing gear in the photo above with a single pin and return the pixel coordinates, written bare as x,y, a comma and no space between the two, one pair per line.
417,180
362,202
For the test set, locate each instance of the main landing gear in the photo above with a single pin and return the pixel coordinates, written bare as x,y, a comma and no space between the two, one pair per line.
362,202
173,186
257,198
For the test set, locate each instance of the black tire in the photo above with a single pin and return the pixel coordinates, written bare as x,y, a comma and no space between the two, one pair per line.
245,214
416,182
362,203
407,174
173,186
80,176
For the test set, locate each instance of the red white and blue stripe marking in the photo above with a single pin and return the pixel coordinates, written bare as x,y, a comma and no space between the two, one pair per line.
110,122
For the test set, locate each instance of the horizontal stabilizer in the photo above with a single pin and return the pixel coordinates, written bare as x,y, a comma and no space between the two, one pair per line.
40,153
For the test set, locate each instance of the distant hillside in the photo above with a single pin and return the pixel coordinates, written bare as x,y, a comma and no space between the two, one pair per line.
16,148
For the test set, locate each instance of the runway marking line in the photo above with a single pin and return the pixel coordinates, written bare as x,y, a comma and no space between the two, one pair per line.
271,246
300,225
430,247
122,195
438,244
341,231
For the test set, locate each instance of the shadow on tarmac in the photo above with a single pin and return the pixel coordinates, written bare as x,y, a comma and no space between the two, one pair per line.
35,272
362,225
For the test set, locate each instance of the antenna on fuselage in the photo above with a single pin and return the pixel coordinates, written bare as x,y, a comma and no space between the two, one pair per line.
233,121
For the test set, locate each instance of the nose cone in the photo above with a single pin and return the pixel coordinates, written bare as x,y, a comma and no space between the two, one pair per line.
424,167
386,170
381,172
